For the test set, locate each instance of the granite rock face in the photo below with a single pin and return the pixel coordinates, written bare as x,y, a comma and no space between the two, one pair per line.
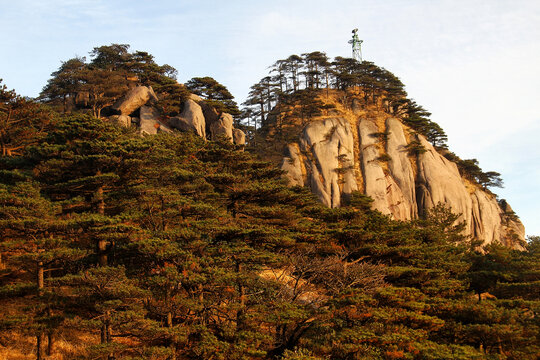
191,119
400,166
292,165
239,137
134,99
148,121
333,162
378,184
330,164
439,181
222,128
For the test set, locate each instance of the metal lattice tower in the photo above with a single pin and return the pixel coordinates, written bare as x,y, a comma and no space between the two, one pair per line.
356,46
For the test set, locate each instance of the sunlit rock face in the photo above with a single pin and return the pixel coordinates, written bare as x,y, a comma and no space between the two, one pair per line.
379,184
333,161
239,137
324,159
134,99
222,128
400,166
191,119
438,181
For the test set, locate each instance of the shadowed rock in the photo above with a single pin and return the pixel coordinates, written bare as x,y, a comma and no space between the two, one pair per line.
149,123
223,127
239,137
292,165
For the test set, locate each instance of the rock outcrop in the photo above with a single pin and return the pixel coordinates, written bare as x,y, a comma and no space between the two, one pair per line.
239,137
134,99
124,120
404,185
329,162
292,165
222,128
378,184
148,121
191,119
439,181
197,116
400,166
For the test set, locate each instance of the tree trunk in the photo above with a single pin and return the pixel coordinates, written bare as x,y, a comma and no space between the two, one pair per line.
102,252
102,244
40,279
327,86
50,343
103,333
50,335
106,328
242,300
39,350
169,320
100,199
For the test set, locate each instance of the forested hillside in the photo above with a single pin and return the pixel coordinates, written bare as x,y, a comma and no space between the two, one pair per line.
115,245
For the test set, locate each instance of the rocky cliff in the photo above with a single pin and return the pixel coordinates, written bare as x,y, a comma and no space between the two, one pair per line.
371,151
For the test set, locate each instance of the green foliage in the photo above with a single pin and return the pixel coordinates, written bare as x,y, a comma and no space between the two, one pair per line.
22,122
111,71
471,170
214,93
171,246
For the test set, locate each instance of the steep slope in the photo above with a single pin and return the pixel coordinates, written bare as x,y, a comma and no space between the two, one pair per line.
397,167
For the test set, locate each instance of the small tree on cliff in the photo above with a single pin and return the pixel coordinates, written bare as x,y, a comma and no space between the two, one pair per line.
214,93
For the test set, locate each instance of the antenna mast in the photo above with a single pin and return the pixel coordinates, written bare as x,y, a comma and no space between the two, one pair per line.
356,46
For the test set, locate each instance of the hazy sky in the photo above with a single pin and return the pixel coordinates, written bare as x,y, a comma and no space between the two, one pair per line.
474,64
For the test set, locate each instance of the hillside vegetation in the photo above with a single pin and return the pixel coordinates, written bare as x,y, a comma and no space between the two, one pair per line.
115,245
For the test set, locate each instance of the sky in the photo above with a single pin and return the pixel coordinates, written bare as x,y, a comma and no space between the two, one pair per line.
474,64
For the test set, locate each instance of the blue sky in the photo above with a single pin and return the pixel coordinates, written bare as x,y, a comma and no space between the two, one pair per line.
473,64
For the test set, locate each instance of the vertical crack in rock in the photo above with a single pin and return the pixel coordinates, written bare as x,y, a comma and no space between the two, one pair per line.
386,194
328,148
400,167
439,181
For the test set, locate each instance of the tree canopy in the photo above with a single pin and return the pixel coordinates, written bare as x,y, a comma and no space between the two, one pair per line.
172,247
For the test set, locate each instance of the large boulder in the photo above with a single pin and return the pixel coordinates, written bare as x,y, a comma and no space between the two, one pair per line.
211,115
486,217
191,119
222,128
124,120
134,99
148,122
292,165
239,137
